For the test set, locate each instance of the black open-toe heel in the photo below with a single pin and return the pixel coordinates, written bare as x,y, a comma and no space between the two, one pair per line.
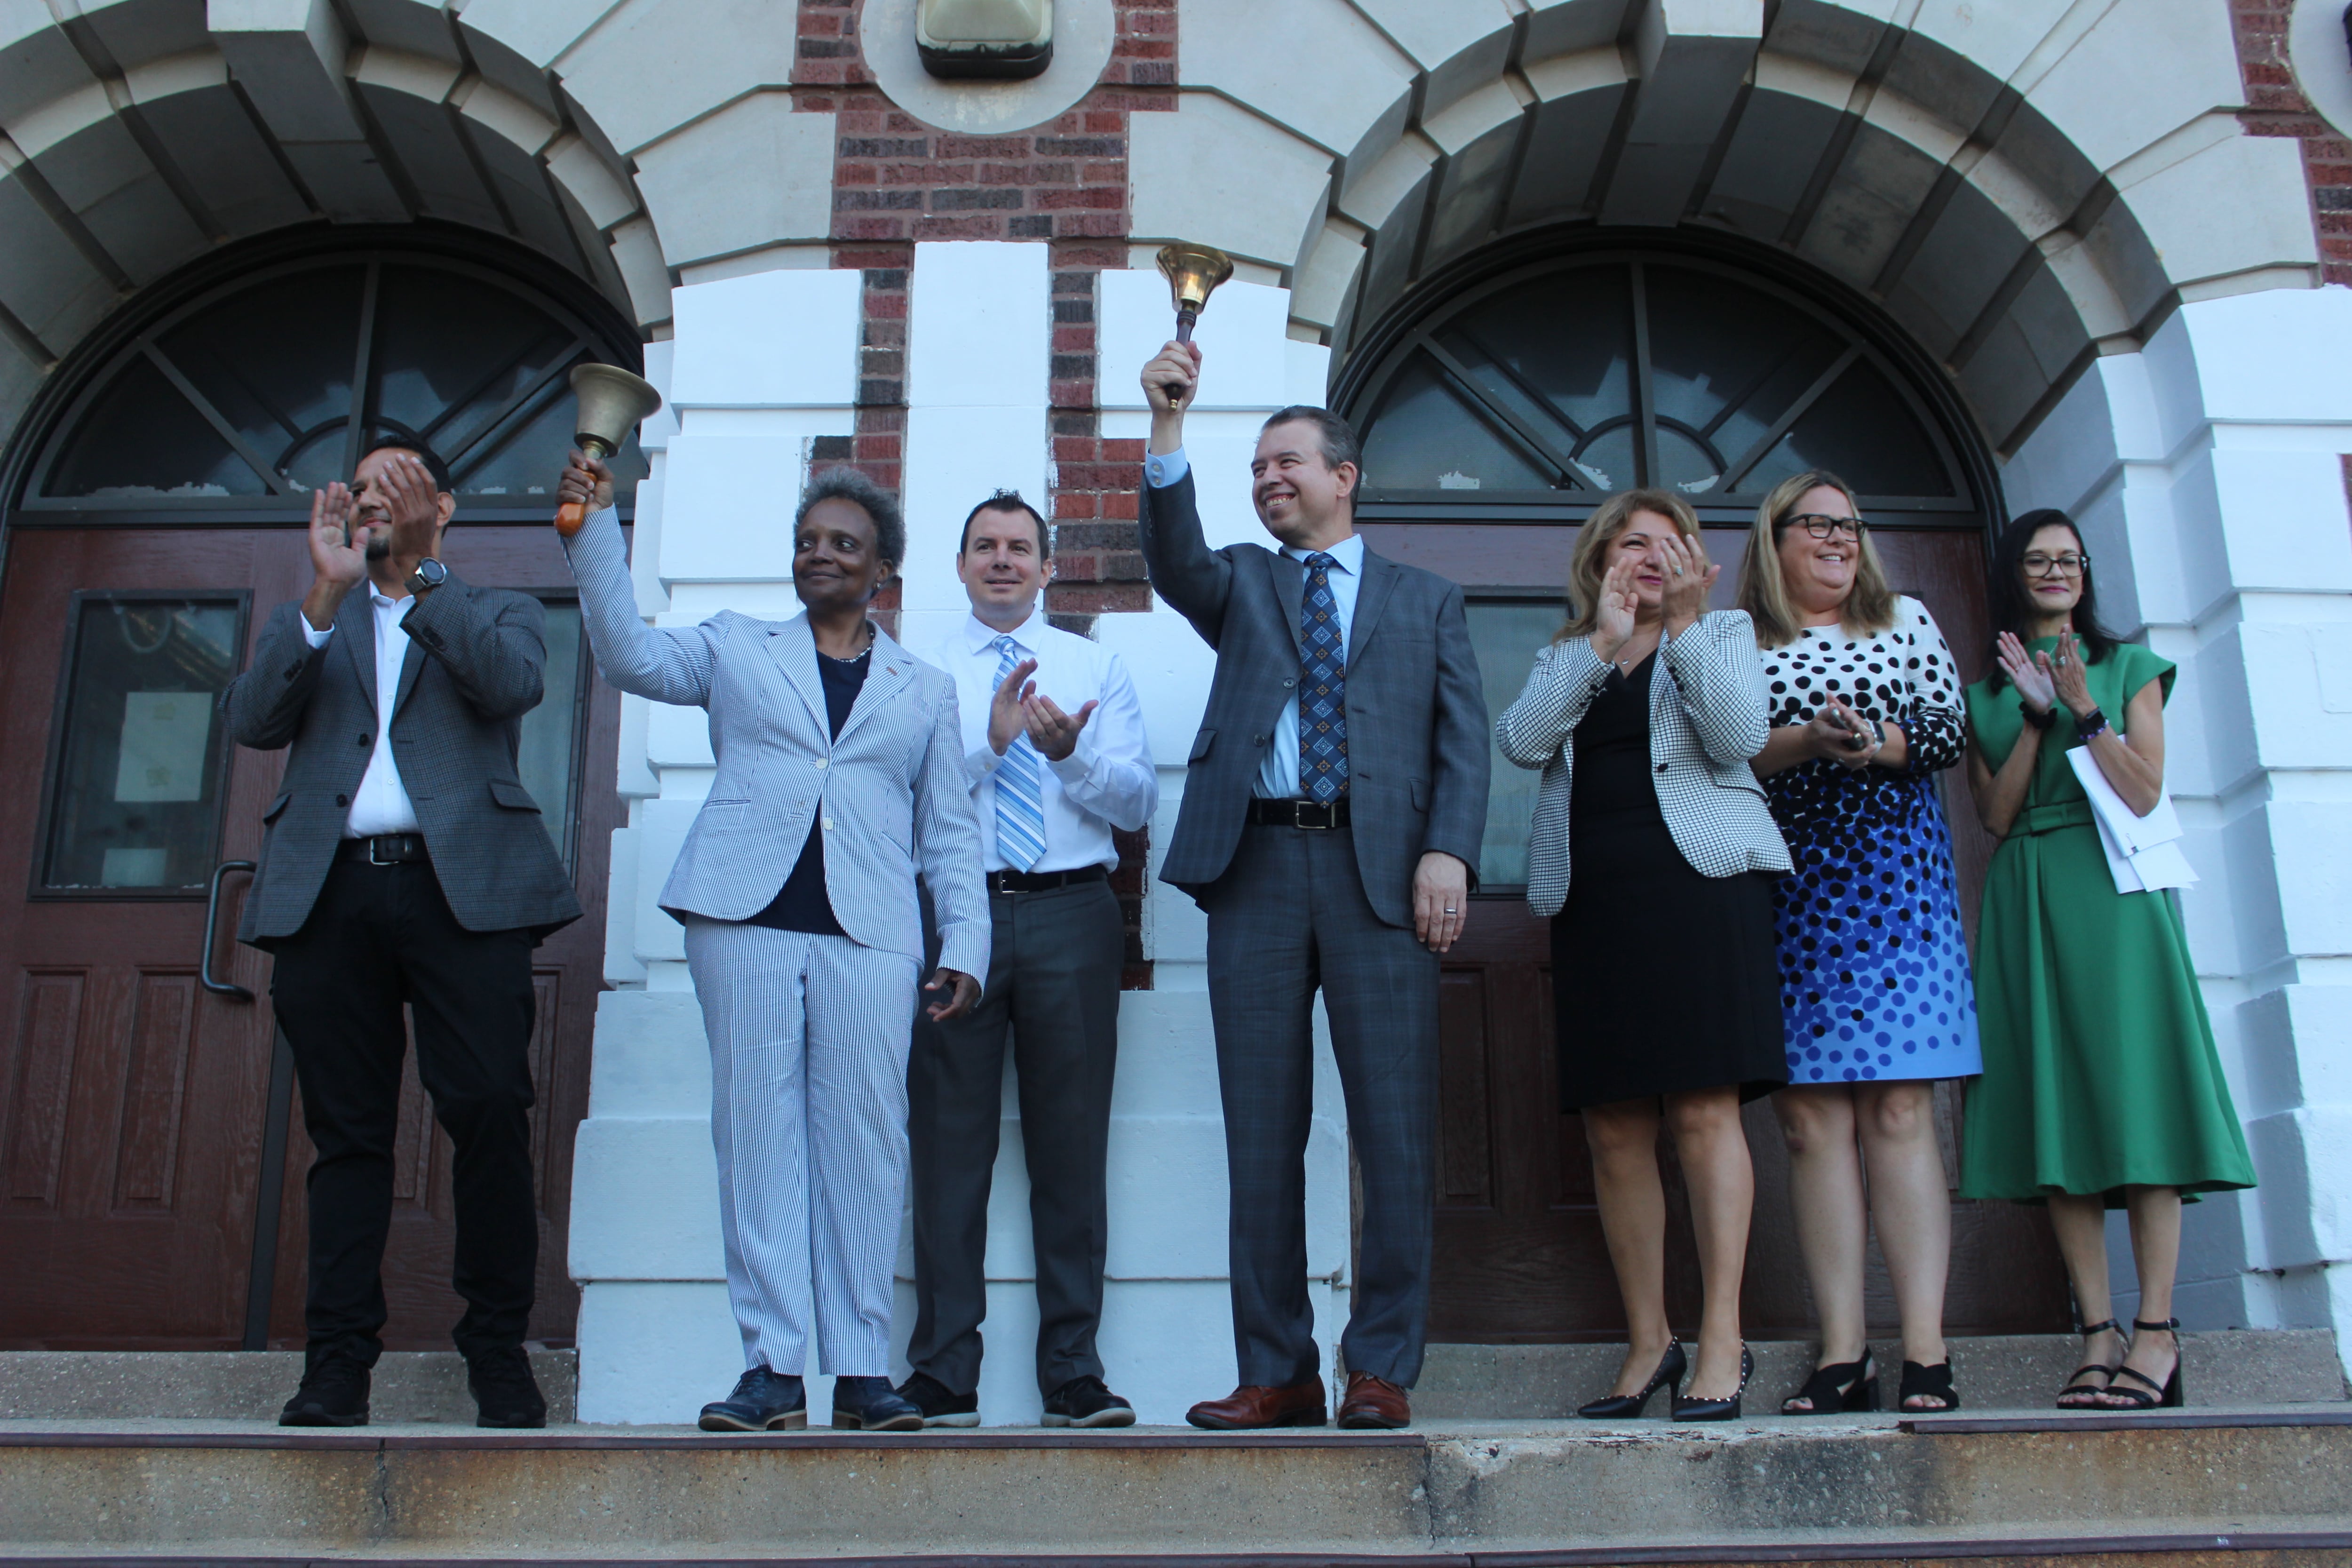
1719,1409
1629,1406
1921,1382
2150,1395
1845,1385
2075,1384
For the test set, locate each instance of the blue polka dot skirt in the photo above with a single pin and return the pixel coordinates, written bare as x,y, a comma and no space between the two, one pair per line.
1875,979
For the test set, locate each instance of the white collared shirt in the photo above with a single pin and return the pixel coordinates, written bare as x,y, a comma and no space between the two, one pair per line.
1107,781
381,803
1277,776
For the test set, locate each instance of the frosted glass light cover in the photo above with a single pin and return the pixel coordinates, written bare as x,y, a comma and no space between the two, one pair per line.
985,37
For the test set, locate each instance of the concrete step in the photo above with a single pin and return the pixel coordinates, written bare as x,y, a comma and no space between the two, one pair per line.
2010,1372
2173,1487
245,1385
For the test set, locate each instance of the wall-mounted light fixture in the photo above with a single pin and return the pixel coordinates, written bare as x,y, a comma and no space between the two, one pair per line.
985,37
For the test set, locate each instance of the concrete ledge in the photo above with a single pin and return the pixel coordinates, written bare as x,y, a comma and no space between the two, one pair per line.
243,1385
2011,1371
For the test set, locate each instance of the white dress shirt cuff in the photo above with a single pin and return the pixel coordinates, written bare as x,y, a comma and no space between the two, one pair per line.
1075,768
315,638
1161,469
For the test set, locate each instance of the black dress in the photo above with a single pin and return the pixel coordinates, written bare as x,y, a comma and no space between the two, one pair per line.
1664,979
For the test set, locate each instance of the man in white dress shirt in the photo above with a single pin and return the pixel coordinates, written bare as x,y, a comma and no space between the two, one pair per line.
1054,748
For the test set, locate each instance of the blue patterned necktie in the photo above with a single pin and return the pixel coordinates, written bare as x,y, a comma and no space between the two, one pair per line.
1323,692
1019,794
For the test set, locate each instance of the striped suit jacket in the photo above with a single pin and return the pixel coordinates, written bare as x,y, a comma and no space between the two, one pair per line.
476,665
1705,720
889,794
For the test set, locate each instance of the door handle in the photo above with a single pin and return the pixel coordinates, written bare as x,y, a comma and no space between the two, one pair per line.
212,935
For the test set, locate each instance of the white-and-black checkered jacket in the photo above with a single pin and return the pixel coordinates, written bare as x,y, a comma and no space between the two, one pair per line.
1705,720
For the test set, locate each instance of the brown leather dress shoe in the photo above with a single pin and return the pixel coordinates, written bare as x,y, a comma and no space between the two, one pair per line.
1374,1401
1253,1406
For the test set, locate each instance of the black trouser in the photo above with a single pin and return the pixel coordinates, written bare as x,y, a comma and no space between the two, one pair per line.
1053,980
380,936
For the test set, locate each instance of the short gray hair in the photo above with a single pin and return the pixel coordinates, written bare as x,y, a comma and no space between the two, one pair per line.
859,488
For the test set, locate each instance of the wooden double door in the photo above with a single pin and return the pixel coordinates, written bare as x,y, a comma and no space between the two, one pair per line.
150,1174
1519,1253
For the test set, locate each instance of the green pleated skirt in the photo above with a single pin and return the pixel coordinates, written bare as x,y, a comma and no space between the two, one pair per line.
2099,1067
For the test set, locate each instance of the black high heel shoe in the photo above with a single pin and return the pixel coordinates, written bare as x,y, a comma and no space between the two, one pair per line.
2079,1393
2166,1396
1845,1385
1629,1406
1719,1409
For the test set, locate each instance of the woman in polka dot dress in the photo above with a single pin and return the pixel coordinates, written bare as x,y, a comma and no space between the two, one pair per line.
1875,994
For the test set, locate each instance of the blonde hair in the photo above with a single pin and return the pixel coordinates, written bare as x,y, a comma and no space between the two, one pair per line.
1869,607
1586,568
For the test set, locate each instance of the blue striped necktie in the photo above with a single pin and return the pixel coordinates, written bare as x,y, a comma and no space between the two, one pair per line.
1020,791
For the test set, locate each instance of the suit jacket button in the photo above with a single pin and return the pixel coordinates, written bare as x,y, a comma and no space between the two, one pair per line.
1257,740
363,739
1290,683
1662,767
343,800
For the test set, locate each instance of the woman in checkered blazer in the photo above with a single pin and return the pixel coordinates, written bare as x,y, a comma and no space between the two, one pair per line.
1646,790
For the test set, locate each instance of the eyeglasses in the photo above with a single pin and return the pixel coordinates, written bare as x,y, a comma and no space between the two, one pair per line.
2040,565
1822,526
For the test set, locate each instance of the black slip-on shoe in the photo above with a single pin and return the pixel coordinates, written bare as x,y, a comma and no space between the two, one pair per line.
941,1405
871,1405
1085,1402
505,1392
334,1393
763,1401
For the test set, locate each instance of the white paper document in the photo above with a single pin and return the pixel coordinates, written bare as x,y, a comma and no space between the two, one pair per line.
2142,852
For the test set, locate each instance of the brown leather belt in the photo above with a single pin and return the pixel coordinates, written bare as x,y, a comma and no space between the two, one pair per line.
1311,814
385,849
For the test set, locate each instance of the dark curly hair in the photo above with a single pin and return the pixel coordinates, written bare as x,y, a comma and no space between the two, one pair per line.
860,490
2012,611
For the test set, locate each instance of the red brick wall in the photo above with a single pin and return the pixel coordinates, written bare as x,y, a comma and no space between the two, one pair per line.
897,181
2276,106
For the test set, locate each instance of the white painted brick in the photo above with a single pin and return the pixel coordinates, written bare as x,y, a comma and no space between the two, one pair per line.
621,964
644,1200
652,1059
679,737
1243,336
727,506
654,1351
956,456
1171,669
978,333
2283,520
662,825
785,339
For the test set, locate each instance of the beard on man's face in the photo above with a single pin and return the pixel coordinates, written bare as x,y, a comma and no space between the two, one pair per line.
378,545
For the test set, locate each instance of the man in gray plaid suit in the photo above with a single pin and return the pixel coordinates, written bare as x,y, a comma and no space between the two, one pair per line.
403,863
1333,808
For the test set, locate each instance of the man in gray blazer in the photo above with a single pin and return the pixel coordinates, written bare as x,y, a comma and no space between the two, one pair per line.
403,863
1331,819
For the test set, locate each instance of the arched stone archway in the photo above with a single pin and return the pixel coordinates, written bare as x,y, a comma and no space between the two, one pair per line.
2023,187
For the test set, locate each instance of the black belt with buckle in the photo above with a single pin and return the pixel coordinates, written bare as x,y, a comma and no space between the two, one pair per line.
385,849
1309,814
1042,881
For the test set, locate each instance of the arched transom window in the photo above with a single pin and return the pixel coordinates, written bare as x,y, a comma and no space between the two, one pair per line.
1561,380
237,402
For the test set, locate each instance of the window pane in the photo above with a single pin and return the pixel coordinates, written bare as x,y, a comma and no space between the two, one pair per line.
1507,636
1425,437
528,458
276,361
1862,431
135,801
550,731
1569,336
142,438
454,353
1725,356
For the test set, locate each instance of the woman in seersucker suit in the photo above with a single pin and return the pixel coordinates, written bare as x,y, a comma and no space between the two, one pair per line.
840,773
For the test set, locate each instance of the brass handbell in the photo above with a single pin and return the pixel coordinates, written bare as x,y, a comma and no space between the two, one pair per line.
612,402
1194,272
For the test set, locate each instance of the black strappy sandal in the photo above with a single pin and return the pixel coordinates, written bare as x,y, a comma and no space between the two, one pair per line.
1842,1386
2151,1396
2075,1384
1920,1381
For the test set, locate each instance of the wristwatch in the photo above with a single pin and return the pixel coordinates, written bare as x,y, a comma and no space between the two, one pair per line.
429,574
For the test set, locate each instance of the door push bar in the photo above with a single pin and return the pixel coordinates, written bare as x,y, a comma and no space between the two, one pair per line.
212,935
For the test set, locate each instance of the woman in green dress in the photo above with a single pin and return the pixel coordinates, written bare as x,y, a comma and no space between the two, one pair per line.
2101,1087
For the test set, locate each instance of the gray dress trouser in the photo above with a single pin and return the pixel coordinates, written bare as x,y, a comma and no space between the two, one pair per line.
1052,981
1288,916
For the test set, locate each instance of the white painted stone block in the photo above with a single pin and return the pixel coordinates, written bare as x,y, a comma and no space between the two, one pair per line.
1167,1052
2138,74
622,966
728,501
1171,669
1252,53
978,333
2258,180
2283,518
956,456
1243,336
2312,843
2273,355
1213,173
783,339
652,1059
690,180
654,1351
652,67
662,825
677,736
645,1199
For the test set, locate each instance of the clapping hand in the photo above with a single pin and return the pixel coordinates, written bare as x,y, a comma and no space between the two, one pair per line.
2069,677
2031,674
1859,739
1690,577
1613,618
1054,733
1007,715
338,554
